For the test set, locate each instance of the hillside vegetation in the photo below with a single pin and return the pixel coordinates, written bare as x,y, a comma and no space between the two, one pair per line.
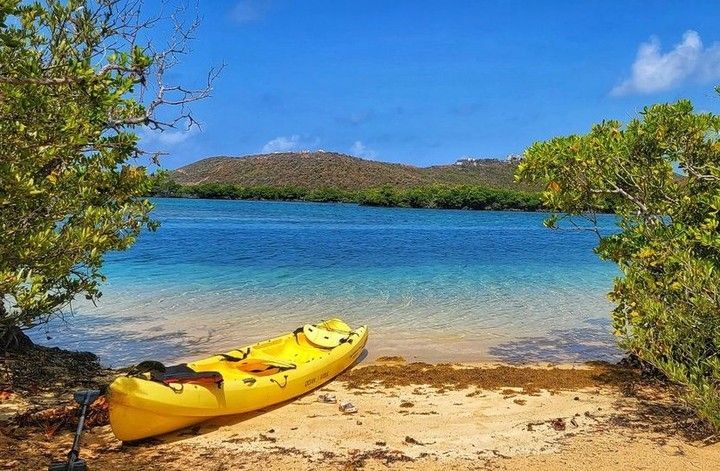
319,170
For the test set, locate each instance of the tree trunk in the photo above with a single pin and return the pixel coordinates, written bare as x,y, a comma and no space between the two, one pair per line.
12,338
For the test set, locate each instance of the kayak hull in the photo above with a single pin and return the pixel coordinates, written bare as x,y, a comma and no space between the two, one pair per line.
130,423
272,372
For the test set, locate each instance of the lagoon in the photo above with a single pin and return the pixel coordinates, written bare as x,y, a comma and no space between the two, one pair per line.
435,285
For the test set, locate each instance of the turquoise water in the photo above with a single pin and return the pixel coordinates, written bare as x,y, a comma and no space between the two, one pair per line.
435,285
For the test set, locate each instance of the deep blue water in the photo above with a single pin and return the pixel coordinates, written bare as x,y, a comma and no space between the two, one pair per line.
431,284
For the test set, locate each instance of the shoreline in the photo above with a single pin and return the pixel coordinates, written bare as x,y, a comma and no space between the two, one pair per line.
411,416
581,342
349,203
437,354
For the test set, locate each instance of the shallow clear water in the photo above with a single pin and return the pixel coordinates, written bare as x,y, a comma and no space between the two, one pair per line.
436,285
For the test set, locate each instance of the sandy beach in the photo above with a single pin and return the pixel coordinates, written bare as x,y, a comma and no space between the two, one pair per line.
410,416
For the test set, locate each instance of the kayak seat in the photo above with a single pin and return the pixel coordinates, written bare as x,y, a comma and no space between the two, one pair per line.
323,337
176,374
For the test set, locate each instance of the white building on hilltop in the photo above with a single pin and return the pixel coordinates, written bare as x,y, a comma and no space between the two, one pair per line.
474,162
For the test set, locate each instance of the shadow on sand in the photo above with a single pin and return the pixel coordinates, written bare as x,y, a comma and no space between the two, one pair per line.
592,342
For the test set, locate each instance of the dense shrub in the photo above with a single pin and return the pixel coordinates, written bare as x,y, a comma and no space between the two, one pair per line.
454,197
668,245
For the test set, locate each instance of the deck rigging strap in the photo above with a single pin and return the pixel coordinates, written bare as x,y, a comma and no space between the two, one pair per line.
298,331
228,357
271,366
282,386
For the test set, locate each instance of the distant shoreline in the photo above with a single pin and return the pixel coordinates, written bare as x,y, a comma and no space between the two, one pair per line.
467,197
350,203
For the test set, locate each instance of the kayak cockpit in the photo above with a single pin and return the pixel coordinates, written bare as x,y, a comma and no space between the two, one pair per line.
307,344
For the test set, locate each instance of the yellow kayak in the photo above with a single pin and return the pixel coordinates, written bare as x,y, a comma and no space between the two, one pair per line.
156,399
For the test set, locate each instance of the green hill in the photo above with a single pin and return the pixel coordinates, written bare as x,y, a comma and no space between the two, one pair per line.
315,170
332,177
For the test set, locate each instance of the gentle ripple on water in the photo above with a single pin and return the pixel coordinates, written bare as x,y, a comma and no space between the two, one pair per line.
431,284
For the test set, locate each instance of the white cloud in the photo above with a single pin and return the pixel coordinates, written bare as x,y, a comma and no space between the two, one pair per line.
281,144
688,61
167,138
290,143
246,11
360,149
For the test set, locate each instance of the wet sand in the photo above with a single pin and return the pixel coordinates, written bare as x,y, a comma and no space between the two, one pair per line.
417,416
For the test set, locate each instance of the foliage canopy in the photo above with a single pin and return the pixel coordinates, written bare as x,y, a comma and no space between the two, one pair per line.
73,77
661,175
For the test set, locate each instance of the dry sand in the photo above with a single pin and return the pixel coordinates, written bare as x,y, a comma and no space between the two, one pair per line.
421,416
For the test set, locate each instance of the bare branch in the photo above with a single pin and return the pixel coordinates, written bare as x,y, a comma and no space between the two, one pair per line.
167,95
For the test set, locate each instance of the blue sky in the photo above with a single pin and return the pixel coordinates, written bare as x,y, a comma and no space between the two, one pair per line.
426,83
